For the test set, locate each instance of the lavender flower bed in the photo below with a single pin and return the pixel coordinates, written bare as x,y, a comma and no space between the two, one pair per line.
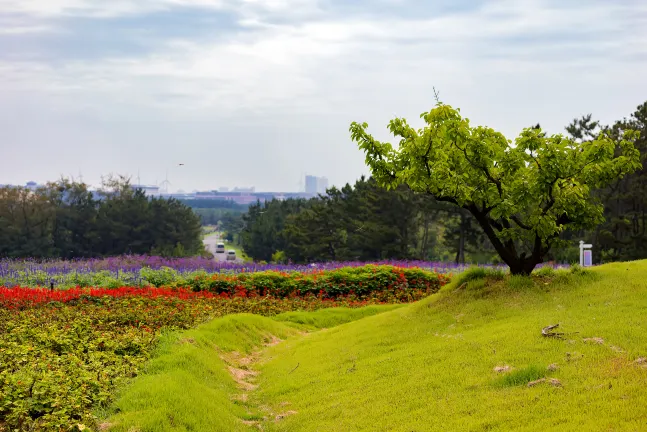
132,270
132,263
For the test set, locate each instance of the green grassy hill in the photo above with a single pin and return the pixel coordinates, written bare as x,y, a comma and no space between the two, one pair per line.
423,367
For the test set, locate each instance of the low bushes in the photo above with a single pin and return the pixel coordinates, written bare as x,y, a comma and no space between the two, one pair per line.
64,353
383,283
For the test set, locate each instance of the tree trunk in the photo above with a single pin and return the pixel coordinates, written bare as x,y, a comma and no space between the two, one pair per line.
519,264
523,267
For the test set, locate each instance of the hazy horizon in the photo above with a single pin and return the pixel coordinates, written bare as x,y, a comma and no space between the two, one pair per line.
252,93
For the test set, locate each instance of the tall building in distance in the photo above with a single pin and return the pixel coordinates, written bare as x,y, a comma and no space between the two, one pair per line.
311,184
322,185
316,185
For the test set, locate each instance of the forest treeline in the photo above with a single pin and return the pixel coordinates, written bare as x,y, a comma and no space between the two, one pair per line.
212,211
65,219
365,222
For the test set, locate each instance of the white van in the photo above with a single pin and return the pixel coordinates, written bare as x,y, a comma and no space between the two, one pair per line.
231,255
220,248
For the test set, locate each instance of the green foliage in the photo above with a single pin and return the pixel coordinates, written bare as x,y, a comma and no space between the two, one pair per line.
544,272
381,283
522,376
476,273
65,220
59,362
262,233
362,222
165,276
623,235
524,196
279,257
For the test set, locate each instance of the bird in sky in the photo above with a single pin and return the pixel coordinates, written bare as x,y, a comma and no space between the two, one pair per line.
181,164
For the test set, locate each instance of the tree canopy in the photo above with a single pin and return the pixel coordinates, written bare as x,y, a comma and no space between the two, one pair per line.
65,219
523,195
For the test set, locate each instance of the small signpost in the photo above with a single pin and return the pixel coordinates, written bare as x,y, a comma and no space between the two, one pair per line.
586,254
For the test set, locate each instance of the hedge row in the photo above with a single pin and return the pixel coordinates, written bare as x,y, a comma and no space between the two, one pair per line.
370,281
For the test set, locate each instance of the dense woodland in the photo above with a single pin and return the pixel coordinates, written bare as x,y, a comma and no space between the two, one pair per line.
213,211
66,220
367,222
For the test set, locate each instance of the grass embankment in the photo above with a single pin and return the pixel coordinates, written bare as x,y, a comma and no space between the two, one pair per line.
200,379
460,360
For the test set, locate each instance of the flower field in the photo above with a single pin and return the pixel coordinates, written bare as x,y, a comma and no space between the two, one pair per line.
138,270
64,352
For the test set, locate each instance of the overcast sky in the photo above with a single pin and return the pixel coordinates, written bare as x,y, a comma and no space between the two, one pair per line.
261,92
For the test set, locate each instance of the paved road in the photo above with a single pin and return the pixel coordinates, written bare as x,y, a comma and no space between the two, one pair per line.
210,243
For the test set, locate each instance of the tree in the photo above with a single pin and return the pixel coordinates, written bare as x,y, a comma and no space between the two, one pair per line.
523,196
623,234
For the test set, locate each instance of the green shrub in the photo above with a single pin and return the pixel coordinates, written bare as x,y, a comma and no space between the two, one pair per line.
159,278
370,281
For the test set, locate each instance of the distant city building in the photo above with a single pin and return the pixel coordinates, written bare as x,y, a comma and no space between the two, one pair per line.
248,190
316,185
322,185
148,190
311,185
29,185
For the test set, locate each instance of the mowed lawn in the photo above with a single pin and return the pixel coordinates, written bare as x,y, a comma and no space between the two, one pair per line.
428,366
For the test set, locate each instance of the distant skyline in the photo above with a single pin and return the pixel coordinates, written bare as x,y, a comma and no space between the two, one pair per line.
259,93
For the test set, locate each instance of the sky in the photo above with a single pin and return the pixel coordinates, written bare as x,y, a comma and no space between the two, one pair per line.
261,92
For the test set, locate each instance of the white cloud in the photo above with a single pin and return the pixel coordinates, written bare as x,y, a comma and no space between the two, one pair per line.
116,8
508,64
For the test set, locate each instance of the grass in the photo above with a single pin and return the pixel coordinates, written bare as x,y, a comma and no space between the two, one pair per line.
431,365
188,386
522,376
330,317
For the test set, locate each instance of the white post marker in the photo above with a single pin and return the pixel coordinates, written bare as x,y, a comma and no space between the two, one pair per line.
586,254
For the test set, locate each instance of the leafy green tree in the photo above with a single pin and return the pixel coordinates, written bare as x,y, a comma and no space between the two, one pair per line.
262,234
26,219
315,233
523,196
63,219
233,224
74,232
623,235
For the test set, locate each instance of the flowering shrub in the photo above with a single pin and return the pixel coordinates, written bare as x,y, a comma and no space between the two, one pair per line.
382,283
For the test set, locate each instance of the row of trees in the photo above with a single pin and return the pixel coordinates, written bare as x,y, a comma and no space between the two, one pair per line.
360,222
623,234
65,219
452,191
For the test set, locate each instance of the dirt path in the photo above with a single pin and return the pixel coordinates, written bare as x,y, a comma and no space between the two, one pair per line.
241,369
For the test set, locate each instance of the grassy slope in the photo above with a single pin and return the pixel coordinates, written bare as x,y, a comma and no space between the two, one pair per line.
427,366
430,366
187,385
